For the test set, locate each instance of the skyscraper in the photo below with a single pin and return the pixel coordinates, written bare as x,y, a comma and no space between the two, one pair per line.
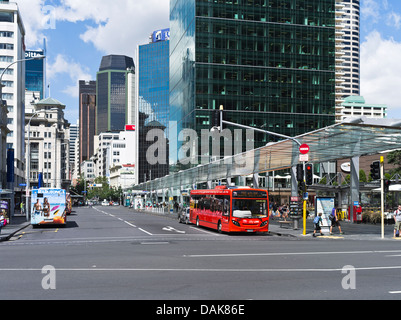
12,48
114,86
270,63
87,119
35,72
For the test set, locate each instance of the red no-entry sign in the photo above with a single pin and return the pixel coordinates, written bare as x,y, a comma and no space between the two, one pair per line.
304,149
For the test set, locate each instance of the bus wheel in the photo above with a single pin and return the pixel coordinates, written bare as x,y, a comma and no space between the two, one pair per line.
197,221
219,227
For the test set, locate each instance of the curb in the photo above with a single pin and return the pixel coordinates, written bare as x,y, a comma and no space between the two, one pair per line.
9,236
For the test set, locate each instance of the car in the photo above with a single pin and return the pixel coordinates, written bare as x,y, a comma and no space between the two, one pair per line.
105,202
183,216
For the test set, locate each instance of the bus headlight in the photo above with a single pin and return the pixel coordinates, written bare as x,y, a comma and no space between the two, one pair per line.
264,223
236,223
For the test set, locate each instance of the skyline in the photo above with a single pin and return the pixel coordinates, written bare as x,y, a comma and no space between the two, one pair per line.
80,33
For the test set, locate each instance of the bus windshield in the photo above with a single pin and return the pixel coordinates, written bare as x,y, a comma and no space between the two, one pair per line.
250,208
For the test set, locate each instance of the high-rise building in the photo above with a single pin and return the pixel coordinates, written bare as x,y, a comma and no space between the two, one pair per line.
87,119
35,72
347,53
12,48
270,64
115,84
153,98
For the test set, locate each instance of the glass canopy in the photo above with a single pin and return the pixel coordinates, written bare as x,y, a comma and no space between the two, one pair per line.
355,138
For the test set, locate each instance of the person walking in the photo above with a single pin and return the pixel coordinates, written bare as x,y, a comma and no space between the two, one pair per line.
334,221
316,222
397,220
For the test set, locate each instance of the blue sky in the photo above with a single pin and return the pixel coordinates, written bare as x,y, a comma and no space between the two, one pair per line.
80,32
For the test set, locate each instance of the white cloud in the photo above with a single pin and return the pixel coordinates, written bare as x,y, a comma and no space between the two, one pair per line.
63,65
381,72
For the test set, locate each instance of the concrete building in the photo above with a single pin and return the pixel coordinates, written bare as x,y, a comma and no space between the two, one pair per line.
49,135
356,106
12,48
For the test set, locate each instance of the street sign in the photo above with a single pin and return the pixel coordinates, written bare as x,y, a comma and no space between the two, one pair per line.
304,149
304,157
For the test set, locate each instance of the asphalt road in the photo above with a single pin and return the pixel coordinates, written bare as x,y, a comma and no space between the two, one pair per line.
116,253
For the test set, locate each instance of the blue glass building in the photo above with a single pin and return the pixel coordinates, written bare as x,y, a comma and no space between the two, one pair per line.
34,72
154,81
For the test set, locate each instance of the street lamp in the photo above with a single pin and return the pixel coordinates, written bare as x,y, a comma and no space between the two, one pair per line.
39,57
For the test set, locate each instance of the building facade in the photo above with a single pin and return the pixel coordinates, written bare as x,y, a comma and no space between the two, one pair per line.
35,72
12,48
356,106
87,119
115,84
48,156
270,64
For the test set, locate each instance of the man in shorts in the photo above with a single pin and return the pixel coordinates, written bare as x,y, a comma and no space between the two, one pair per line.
397,220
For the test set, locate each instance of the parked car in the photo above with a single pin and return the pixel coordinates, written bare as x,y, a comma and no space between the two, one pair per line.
105,202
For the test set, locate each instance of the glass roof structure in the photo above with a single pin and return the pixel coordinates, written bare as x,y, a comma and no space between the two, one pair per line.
352,138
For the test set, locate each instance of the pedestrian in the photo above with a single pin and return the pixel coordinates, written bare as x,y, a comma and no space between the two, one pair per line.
397,220
2,220
316,222
334,221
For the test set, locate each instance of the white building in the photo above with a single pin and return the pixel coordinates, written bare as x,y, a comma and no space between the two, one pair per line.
355,106
12,48
49,144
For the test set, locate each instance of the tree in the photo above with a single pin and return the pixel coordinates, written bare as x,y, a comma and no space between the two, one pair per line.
394,157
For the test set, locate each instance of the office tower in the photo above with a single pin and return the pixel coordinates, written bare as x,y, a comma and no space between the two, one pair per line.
153,97
87,119
12,48
269,63
114,85
35,72
347,53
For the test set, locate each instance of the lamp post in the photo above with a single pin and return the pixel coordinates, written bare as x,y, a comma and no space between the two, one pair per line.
39,57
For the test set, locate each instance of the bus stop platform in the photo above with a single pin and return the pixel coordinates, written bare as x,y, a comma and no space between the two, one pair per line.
17,223
351,230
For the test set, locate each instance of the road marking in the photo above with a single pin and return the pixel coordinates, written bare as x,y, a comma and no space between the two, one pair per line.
286,254
145,231
394,292
171,229
130,224
205,231
147,243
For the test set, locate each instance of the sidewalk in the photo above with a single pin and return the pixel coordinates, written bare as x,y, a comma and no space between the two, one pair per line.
355,231
18,222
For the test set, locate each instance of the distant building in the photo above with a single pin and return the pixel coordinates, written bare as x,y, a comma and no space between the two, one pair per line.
49,145
87,119
355,106
115,84
35,72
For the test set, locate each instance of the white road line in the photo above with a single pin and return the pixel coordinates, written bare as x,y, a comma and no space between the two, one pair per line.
209,232
145,231
130,224
285,254
394,292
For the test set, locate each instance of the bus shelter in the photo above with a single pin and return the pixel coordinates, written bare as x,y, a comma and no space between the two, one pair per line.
351,139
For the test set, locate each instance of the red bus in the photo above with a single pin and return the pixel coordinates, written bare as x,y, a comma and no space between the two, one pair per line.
232,209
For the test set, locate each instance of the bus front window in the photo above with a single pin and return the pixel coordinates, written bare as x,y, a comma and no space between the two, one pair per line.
249,208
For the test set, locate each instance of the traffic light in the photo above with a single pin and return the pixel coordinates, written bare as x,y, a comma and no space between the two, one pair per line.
300,172
309,174
387,184
216,119
375,170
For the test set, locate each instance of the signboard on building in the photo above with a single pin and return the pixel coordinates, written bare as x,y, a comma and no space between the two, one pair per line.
161,35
